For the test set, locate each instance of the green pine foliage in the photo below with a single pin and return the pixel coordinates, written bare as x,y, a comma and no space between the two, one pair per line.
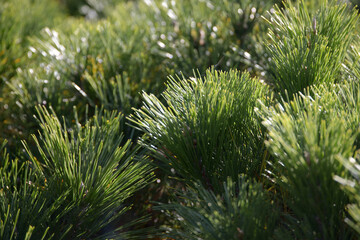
92,169
207,130
351,187
79,62
186,92
308,48
305,137
77,188
18,20
200,34
242,212
22,200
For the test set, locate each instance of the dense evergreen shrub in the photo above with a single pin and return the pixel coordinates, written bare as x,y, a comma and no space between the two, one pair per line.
306,135
230,161
351,187
21,200
18,20
207,130
200,34
93,173
243,211
308,48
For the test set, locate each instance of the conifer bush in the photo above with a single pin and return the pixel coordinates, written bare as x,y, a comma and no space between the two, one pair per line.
201,34
20,201
207,130
76,69
308,48
351,187
242,212
344,99
77,188
85,62
305,138
18,20
100,53
230,160
94,171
